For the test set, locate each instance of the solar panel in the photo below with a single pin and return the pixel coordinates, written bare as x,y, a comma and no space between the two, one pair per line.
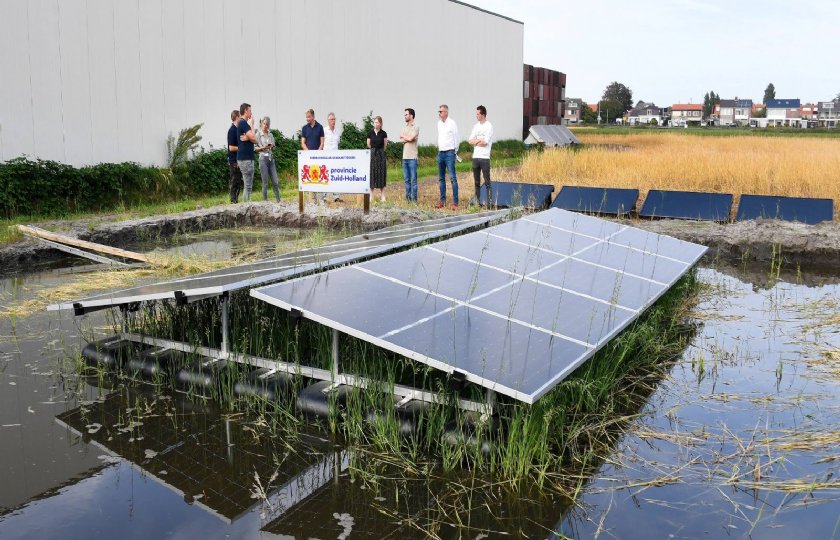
551,135
810,211
284,266
596,200
687,205
515,307
510,194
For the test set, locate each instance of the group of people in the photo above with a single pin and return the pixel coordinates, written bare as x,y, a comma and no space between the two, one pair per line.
243,141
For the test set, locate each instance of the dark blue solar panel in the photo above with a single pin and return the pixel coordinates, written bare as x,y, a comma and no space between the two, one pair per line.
800,209
687,205
595,200
508,194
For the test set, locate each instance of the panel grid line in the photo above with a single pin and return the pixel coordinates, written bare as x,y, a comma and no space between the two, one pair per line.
461,303
511,283
534,280
639,250
565,257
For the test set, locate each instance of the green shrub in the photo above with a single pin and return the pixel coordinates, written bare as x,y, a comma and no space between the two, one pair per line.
206,172
47,187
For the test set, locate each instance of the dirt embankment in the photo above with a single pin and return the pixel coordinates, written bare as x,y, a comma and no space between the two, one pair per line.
18,256
748,241
763,240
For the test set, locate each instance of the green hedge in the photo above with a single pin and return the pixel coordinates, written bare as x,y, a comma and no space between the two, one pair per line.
48,188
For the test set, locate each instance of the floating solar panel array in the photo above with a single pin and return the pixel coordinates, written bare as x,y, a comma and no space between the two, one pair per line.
511,194
514,308
282,267
804,210
687,205
595,200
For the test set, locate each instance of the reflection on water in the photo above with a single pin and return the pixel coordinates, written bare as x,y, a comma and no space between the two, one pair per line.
225,244
740,440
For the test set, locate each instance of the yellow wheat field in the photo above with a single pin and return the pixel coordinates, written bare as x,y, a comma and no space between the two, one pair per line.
788,166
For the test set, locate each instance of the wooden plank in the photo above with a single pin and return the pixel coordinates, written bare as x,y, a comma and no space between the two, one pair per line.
81,253
61,239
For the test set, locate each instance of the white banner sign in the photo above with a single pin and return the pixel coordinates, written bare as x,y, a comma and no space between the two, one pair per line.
334,171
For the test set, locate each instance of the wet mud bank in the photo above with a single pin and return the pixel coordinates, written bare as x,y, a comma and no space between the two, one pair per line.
763,240
21,256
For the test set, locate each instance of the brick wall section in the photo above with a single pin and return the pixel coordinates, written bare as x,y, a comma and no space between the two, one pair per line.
548,108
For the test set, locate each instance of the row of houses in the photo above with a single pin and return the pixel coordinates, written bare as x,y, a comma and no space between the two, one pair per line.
729,112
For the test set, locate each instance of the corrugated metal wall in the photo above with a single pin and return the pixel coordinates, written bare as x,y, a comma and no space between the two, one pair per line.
88,81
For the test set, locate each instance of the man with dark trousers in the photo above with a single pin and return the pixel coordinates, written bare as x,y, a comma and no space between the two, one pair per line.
312,138
233,167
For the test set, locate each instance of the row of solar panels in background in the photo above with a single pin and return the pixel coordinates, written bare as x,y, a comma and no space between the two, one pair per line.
660,203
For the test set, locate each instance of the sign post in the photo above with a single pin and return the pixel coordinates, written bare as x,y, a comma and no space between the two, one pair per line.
333,171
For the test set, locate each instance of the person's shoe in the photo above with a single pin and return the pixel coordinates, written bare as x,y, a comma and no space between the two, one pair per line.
383,198
440,204
455,206
338,199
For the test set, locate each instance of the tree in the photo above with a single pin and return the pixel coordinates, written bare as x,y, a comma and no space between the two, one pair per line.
587,115
769,93
610,109
709,101
620,94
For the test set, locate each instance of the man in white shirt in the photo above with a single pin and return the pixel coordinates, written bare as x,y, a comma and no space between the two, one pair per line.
331,138
448,140
481,139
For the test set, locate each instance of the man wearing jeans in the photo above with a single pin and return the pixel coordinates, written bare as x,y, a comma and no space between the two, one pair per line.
409,135
481,140
447,147
245,150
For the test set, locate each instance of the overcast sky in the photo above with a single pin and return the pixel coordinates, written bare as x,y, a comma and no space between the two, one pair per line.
674,51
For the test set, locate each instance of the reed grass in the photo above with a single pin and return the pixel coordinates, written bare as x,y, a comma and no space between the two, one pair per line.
793,167
579,420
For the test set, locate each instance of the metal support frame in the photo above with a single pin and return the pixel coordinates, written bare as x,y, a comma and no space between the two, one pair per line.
335,353
337,379
225,305
81,253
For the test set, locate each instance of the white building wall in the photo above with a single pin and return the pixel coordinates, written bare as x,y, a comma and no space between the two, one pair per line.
107,80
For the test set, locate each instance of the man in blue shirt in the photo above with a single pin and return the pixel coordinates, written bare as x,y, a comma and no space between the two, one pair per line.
312,138
245,149
233,167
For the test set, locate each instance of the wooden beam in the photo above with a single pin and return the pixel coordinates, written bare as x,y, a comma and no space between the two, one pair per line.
99,248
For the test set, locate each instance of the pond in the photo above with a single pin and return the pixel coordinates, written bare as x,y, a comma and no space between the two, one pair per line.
740,439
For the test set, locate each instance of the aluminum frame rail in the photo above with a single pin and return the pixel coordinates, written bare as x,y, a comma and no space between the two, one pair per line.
336,253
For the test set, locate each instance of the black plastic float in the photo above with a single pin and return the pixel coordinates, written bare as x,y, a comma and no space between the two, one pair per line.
319,399
112,353
152,365
264,384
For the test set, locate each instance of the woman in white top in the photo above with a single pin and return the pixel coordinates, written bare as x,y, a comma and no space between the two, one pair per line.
268,168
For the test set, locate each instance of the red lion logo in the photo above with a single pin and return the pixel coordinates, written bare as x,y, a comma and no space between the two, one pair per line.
315,174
